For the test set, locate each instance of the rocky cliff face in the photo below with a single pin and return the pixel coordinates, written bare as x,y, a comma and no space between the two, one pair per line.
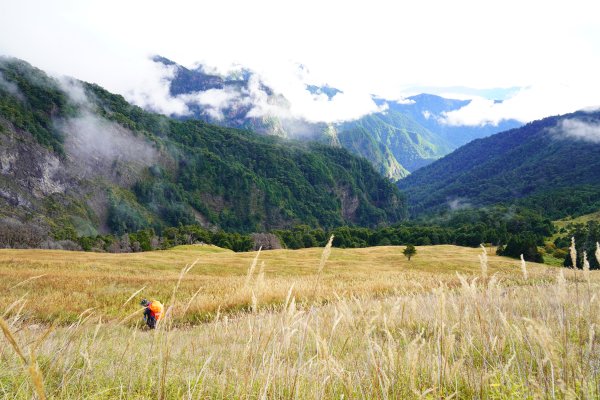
29,171
39,186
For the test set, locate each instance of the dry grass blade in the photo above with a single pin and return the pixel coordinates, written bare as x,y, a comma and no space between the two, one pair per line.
187,307
11,339
254,303
288,297
252,268
15,303
325,255
36,376
33,369
561,281
26,280
133,314
133,295
44,336
183,272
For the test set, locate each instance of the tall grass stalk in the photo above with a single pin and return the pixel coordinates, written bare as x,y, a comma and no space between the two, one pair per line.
27,280
483,262
252,268
324,257
523,267
133,295
586,267
36,376
573,252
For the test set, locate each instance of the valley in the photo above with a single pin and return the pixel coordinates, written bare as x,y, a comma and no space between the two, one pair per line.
299,200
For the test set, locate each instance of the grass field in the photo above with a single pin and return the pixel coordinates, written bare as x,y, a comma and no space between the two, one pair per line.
63,284
366,324
563,223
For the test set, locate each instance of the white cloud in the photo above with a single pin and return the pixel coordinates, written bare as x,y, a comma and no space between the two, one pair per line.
151,90
290,81
215,101
363,48
74,90
528,104
10,87
579,129
459,203
95,143
89,137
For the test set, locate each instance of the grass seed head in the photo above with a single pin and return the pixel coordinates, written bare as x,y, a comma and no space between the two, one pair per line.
586,267
573,252
523,267
483,262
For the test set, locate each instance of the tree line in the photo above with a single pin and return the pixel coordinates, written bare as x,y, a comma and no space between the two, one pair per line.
515,231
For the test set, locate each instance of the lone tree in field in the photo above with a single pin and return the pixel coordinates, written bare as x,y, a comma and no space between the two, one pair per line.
409,251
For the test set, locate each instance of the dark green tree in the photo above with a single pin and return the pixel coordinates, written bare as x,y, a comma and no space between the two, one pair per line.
409,251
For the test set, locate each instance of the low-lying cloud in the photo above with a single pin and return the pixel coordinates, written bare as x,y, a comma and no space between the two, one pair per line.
291,80
10,87
152,90
89,137
459,203
588,131
215,101
528,104
287,98
94,143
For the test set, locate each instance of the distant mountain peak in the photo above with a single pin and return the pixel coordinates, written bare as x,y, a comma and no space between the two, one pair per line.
404,137
163,60
327,90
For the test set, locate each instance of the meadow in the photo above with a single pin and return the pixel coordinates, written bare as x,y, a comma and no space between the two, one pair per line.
312,323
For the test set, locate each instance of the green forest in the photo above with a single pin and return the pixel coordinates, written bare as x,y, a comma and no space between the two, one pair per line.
220,185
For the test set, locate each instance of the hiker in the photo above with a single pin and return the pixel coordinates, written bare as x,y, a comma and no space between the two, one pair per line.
153,312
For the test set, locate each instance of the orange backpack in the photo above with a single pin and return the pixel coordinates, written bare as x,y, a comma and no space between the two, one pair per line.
156,308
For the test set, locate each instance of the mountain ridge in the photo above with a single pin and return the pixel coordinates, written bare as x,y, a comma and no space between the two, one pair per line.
78,159
535,161
412,142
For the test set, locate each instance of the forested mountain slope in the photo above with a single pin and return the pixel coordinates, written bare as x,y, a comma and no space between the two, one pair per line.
76,159
552,165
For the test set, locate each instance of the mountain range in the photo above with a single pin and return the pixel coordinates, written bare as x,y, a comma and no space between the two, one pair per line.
398,140
77,160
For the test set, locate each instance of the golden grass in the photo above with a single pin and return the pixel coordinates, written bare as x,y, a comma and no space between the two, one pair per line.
379,326
484,341
60,285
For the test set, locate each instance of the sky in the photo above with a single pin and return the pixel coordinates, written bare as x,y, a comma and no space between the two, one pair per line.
541,58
